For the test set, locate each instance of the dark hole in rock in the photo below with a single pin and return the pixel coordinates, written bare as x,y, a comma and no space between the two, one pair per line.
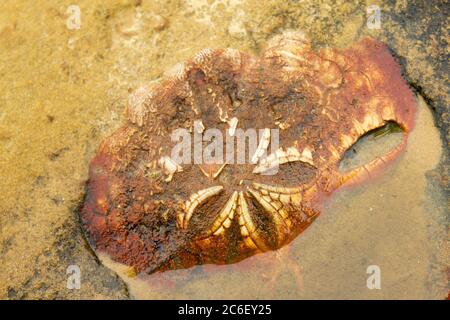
373,144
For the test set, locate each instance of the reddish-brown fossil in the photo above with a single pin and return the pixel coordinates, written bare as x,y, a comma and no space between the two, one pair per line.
147,211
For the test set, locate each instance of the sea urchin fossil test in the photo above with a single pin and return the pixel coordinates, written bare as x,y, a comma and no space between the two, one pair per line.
150,212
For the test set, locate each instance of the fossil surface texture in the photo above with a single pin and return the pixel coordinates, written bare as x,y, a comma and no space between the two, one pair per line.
148,211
